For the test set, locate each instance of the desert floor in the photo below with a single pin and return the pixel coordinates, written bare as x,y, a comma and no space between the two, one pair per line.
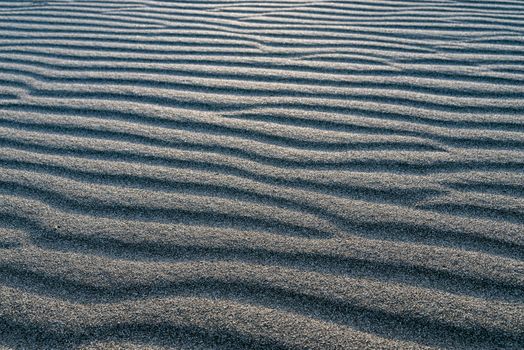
246,174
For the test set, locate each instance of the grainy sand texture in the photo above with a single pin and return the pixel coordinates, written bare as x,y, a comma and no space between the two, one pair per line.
247,174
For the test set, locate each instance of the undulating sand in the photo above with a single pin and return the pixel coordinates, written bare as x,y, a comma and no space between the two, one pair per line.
245,174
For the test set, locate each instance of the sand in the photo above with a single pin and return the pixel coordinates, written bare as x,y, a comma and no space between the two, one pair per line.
262,174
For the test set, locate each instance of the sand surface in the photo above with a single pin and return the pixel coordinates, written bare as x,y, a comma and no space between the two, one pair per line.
246,174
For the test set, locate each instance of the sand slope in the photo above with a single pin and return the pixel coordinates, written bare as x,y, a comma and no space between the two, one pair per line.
261,174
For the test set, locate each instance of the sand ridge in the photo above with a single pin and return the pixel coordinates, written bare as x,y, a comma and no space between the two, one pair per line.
285,174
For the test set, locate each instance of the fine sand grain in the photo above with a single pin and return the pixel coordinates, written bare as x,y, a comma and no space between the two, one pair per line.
246,174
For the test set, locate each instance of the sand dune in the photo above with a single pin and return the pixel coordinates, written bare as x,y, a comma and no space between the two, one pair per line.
261,174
